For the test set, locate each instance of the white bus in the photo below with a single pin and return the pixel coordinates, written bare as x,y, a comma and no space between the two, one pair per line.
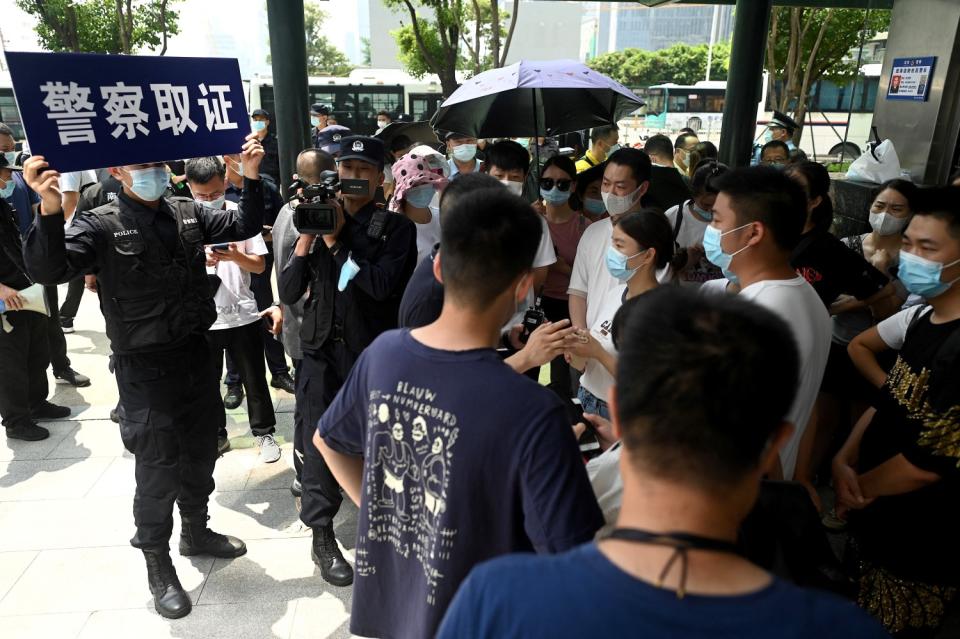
671,107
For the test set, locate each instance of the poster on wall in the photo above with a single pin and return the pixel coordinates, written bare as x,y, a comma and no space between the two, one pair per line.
910,78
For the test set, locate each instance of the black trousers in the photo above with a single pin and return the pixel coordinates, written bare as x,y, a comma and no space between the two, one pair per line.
58,343
170,411
74,294
244,344
321,375
263,292
24,357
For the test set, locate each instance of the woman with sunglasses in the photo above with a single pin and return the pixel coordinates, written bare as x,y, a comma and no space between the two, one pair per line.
557,183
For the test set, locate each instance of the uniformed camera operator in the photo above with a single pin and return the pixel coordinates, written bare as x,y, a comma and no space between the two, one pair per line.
147,253
356,275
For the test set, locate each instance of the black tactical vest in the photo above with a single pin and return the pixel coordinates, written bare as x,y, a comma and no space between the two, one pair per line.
153,300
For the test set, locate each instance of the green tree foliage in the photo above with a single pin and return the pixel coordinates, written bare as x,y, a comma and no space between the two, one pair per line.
103,26
322,57
681,64
806,45
446,36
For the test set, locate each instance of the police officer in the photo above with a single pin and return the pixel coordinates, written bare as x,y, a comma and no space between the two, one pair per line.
319,120
355,276
147,253
782,128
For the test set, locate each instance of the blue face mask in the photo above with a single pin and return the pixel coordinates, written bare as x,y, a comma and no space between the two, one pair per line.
768,136
617,264
524,142
555,196
214,205
921,276
593,206
259,125
419,196
11,157
8,188
714,252
149,184
703,214
315,122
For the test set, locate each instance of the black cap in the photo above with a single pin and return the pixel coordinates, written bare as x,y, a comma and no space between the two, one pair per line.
321,109
261,113
783,121
328,139
362,147
453,134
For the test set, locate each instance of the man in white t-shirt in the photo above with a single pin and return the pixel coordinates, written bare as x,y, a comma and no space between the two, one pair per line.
237,327
757,220
625,180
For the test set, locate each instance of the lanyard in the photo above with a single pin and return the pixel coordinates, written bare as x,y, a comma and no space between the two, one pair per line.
680,542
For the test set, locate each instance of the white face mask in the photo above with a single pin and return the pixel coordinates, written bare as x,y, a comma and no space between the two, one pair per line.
886,224
215,205
514,187
620,204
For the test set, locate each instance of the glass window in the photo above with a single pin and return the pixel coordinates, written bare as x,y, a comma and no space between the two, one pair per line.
9,114
677,104
695,102
715,103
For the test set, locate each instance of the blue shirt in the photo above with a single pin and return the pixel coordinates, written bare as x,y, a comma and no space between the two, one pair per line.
582,594
464,460
23,199
454,171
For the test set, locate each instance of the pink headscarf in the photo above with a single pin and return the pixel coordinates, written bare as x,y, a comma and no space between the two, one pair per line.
417,168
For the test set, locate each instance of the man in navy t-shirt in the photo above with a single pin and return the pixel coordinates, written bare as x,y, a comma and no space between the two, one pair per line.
451,455
695,446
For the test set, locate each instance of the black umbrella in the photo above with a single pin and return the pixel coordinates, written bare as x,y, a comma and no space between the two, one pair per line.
417,132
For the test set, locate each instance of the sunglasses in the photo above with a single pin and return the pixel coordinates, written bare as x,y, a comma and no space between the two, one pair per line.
562,185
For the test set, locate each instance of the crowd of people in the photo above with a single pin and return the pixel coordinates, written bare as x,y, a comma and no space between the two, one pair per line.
741,412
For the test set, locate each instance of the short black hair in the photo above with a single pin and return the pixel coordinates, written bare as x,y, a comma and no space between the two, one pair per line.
598,133
906,188
400,142
486,242
683,362
660,145
681,140
818,185
563,163
687,129
507,155
704,176
943,203
706,150
650,228
775,144
385,114
466,183
202,170
5,130
637,160
764,194
312,162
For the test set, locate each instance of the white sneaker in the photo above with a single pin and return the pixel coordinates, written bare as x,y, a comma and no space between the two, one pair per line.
269,449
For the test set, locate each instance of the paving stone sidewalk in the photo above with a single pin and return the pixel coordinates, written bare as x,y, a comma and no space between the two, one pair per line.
66,567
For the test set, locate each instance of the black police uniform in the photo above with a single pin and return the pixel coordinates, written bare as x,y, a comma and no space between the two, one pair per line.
158,302
337,326
24,354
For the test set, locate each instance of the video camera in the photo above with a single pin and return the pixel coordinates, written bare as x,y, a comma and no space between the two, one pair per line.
314,214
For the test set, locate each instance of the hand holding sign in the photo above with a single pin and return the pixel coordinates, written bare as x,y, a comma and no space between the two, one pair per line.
45,182
252,155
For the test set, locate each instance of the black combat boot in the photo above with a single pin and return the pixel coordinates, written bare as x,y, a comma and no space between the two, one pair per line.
326,554
197,539
169,598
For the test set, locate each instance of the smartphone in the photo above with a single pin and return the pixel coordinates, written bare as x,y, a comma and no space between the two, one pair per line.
268,320
589,442
221,247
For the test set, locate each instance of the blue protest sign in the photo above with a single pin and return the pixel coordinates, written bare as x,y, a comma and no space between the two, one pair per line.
87,111
910,78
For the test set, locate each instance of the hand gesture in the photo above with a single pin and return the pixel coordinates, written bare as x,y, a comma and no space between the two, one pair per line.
45,182
90,282
602,427
847,486
11,298
252,155
546,342
226,255
583,344
275,313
